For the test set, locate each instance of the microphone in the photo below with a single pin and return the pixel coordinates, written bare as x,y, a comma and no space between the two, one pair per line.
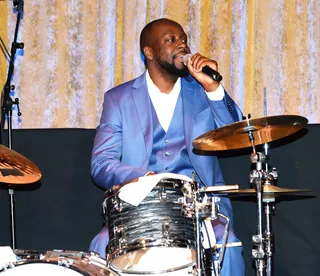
206,69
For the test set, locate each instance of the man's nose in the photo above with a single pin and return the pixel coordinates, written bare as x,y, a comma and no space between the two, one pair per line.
182,44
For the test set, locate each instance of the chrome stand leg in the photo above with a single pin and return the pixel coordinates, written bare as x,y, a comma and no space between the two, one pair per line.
268,208
12,218
199,261
258,253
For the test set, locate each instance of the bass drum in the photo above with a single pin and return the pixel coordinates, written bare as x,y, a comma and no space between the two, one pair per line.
52,263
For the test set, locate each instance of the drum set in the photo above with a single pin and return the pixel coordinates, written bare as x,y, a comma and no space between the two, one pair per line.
170,230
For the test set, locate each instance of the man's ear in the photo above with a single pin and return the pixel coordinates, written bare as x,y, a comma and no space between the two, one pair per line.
148,53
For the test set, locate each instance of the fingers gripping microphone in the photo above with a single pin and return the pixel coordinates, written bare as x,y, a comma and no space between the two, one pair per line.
206,69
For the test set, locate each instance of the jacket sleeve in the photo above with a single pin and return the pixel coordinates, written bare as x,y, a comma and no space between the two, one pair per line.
106,167
225,111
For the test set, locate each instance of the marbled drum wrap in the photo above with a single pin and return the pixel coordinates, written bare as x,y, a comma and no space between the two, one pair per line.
144,225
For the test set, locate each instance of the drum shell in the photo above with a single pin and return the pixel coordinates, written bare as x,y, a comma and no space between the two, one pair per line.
158,221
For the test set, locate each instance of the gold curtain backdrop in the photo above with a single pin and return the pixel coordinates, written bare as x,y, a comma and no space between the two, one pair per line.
75,50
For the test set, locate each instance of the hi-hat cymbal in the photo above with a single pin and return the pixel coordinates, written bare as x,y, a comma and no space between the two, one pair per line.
235,136
269,191
212,189
17,169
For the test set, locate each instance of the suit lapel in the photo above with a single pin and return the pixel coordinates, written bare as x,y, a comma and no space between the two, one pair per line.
188,101
195,104
143,107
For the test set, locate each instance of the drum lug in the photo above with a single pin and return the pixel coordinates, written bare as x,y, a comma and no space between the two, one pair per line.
187,210
120,236
163,196
166,230
65,262
117,204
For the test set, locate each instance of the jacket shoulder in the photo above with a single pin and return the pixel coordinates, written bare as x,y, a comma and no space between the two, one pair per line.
126,87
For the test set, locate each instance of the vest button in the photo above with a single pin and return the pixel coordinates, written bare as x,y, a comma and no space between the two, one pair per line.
167,168
166,154
166,141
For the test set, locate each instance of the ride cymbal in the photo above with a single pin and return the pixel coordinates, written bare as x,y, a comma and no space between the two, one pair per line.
235,136
17,169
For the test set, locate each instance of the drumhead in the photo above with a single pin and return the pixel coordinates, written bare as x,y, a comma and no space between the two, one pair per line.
154,260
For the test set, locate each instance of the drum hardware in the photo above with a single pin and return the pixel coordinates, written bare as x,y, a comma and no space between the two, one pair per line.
214,267
263,241
166,231
117,204
202,212
162,195
224,242
6,111
65,262
250,133
199,268
185,209
120,236
154,230
262,179
16,169
57,262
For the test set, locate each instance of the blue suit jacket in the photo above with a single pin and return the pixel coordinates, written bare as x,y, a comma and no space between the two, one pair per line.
124,138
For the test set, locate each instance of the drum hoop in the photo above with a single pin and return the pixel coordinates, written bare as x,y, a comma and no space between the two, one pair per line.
146,243
169,183
71,266
117,270
118,252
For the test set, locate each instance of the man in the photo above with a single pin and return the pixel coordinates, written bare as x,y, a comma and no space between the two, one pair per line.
148,124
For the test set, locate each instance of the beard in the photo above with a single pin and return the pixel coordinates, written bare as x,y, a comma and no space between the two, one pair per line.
171,69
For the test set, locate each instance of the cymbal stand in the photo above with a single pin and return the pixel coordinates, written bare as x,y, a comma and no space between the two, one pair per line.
201,213
263,241
199,267
269,205
7,108
256,178
269,208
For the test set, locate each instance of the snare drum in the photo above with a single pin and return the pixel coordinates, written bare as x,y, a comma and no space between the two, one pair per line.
155,236
52,263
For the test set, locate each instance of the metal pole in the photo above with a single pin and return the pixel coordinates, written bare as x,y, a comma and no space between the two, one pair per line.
7,108
268,207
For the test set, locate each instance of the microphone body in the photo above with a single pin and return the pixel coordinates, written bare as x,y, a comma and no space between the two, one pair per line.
206,70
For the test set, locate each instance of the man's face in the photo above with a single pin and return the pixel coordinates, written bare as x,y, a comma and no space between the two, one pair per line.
169,47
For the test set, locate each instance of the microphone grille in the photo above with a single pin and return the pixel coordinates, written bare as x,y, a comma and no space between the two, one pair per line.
185,58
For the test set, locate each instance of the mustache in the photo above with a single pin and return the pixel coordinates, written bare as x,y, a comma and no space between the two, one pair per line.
181,53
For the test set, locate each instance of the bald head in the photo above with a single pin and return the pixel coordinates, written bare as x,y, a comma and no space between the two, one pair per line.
163,43
146,37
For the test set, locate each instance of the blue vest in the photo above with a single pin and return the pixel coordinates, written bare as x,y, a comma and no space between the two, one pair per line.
169,151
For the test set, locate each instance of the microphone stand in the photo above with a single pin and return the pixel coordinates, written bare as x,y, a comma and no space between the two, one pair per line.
7,109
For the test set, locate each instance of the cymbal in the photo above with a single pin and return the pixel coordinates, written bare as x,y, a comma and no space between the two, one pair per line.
17,169
222,188
268,191
235,136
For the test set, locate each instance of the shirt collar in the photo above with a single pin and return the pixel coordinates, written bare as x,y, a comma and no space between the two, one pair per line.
153,89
